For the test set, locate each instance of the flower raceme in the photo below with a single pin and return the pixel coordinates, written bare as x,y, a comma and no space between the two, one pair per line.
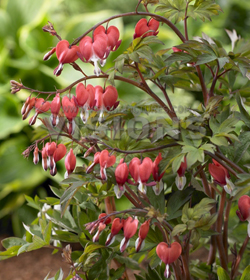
121,176
180,179
168,254
146,28
51,153
221,176
244,210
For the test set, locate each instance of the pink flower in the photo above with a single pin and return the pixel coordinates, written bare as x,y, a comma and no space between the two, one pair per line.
146,28
27,107
70,163
141,171
157,177
105,161
96,161
180,179
121,176
117,225
105,100
244,210
168,254
70,110
101,226
65,54
221,176
41,106
129,227
140,241
55,108
36,155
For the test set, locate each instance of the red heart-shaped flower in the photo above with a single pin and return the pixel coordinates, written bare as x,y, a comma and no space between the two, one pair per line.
244,207
60,152
168,254
64,53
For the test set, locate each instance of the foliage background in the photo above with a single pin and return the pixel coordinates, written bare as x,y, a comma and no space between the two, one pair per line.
22,47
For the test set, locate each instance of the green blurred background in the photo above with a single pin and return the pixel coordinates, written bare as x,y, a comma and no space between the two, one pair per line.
22,47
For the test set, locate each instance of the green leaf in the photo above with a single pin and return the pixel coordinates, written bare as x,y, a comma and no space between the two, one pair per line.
176,201
69,194
203,9
37,243
244,114
246,273
47,232
157,201
13,241
178,56
179,229
222,274
128,262
118,273
172,9
152,274
205,58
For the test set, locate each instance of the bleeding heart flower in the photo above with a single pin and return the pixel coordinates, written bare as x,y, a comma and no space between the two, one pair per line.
117,225
121,176
93,50
146,28
105,100
36,155
129,227
60,152
168,254
101,226
180,179
55,108
157,177
44,159
65,54
27,107
244,210
221,176
70,163
112,35
143,231
96,161
141,171
41,107
105,161
70,110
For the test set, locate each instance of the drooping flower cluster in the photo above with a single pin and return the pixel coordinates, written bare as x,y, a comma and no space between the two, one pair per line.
129,227
86,98
89,50
51,153
139,170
